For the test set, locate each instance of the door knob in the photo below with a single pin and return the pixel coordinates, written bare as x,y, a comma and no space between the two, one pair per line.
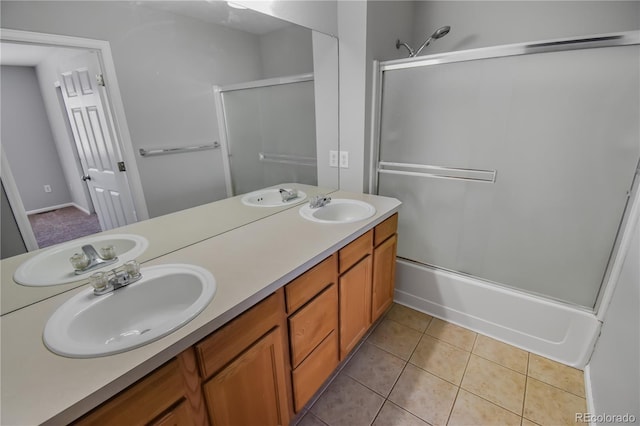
86,178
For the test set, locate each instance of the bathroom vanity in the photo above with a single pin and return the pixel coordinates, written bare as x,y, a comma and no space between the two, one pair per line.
294,298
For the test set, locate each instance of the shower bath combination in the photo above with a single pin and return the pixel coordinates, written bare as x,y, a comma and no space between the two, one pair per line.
439,33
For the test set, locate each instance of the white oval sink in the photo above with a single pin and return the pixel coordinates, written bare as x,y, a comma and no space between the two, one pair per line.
341,210
52,266
270,198
166,298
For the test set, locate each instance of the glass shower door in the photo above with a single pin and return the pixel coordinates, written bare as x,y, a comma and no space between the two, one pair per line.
548,145
271,135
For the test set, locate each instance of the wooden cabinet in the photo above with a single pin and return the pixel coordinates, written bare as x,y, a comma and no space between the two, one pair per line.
267,363
169,395
312,302
251,390
245,368
355,304
384,272
367,281
384,266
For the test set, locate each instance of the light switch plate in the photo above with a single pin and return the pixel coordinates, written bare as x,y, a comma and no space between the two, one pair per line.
333,158
344,159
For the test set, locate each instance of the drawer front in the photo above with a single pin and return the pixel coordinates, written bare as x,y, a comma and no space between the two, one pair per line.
179,415
142,402
385,230
311,324
225,344
315,370
306,286
354,251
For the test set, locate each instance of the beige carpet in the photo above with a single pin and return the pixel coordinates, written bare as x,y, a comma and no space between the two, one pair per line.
58,226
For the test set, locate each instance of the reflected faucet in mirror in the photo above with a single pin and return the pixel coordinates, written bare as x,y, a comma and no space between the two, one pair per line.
162,101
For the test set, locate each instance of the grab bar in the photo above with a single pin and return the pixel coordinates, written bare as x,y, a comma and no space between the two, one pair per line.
163,151
287,159
438,172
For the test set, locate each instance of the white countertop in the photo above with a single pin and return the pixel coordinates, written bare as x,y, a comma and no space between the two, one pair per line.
249,263
178,230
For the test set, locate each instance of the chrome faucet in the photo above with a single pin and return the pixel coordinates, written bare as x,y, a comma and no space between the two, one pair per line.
106,282
95,260
288,195
319,201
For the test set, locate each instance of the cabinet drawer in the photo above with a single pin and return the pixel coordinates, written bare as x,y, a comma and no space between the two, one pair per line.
385,230
225,344
311,324
143,401
178,415
306,286
314,370
354,251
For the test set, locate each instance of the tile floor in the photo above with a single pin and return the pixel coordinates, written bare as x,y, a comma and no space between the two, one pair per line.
417,370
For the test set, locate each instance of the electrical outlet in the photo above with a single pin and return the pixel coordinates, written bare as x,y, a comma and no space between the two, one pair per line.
47,188
344,159
333,158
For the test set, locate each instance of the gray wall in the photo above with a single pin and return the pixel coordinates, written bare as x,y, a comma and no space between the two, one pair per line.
614,368
28,142
486,23
288,51
12,244
166,67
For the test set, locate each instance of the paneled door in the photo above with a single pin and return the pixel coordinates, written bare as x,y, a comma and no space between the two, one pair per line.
85,103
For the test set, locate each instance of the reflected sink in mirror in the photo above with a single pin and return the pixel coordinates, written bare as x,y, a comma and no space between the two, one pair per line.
340,210
271,198
163,300
52,266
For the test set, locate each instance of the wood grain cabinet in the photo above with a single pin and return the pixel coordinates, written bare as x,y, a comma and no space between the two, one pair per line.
168,396
244,368
264,366
367,281
312,306
384,266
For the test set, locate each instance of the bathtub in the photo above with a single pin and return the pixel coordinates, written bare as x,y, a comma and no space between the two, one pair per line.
551,329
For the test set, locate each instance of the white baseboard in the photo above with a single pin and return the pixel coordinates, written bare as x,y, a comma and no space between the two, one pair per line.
589,392
537,325
50,208
82,209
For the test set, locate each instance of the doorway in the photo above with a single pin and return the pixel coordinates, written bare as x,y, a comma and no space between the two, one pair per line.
74,149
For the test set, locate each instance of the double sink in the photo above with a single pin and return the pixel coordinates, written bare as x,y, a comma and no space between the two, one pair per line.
164,299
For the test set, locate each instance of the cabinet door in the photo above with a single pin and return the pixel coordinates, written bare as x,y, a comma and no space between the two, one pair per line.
384,274
355,305
142,402
251,390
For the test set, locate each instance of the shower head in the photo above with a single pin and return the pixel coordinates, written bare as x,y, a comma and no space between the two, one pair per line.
439,33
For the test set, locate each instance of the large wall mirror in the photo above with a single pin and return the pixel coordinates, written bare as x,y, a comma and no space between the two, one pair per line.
212,101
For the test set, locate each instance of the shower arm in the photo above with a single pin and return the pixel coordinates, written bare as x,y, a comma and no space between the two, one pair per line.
402,43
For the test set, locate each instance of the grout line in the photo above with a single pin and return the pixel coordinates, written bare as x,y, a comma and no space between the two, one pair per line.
526,381
460,385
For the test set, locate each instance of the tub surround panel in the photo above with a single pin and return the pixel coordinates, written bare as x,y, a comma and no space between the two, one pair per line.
547,328
246,268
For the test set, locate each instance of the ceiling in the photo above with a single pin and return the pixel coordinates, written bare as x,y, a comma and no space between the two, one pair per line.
219,12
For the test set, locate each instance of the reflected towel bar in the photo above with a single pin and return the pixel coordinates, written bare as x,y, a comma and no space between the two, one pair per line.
163,151
474,175
287,159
